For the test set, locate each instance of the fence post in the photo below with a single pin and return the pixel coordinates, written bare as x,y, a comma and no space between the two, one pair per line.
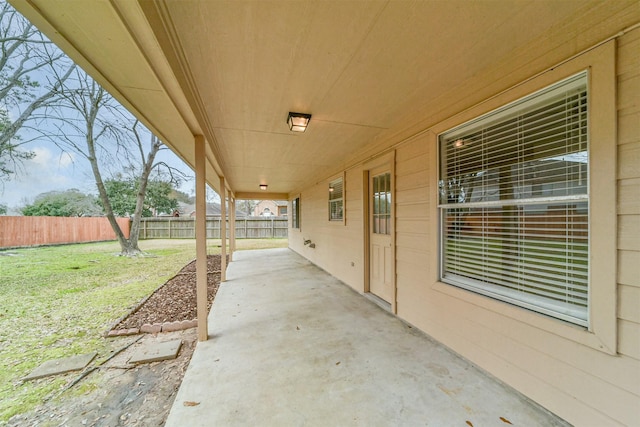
246,236
170,221
272,228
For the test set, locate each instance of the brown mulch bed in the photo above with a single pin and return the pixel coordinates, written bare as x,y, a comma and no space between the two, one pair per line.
176,299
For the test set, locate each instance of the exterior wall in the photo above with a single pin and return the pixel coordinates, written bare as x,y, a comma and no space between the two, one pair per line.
628,206
587,377
275,208
265,204
338,244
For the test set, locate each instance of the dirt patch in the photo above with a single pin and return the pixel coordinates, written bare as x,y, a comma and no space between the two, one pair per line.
122,394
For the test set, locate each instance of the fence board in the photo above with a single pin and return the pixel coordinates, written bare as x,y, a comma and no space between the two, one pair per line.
16,231
184,228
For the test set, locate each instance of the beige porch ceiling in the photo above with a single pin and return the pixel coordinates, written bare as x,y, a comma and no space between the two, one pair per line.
372,72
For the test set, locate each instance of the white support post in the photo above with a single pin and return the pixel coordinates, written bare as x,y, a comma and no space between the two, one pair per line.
223,231
201,238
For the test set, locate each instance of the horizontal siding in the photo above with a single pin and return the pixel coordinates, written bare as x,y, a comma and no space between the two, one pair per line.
628,48
628,127
629,160
629,197
414,257
412,196
628,90
411,210
628,303
418,242
616,371
629,333
628,70
518,352
629,232
413,225
412,180
629,269
412,165
339,248
417,271
411,151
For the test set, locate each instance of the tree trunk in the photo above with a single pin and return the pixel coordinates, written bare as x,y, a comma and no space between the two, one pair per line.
126,246
142,190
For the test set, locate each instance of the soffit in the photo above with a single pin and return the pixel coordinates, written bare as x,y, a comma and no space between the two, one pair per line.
112,41
371,73
361,68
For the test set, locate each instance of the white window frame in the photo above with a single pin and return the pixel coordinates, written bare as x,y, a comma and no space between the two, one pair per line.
511,260
601,333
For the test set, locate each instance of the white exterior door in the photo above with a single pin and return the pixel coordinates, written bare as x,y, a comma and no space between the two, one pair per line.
381,281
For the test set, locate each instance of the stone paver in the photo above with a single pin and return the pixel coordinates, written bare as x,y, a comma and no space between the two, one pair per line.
156,351
61,366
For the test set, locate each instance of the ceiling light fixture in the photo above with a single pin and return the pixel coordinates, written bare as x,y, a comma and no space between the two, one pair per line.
330,189
263,187
459,143
298,121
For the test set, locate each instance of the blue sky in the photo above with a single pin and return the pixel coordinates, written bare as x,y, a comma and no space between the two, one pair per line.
52,170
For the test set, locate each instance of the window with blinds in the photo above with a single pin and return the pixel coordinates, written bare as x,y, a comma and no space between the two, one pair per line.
513,188
336,200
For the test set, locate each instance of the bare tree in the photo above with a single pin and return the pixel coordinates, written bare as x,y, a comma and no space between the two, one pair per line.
28,58
147,165
246,206
91,123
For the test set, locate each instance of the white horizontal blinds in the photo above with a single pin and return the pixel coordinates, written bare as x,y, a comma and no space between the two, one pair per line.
336,200
382,204
514,201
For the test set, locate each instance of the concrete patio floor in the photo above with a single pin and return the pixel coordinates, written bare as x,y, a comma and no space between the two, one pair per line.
290,345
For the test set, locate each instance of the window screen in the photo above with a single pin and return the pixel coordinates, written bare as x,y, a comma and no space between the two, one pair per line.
514,202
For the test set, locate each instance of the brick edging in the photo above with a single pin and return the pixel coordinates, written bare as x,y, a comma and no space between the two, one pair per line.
133,331
155,328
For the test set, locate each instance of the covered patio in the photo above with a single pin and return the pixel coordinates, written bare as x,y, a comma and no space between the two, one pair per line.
291,345
395,92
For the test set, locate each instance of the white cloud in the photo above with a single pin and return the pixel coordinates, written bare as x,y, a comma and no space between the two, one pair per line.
47,171
53,170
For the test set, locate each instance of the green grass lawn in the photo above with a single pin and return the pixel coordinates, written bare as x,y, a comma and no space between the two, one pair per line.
59,301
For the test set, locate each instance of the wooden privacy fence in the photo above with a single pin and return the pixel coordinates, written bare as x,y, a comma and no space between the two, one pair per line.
18,231
184,228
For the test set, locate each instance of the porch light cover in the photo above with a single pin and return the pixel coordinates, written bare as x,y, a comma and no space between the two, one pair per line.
263,186
298,121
